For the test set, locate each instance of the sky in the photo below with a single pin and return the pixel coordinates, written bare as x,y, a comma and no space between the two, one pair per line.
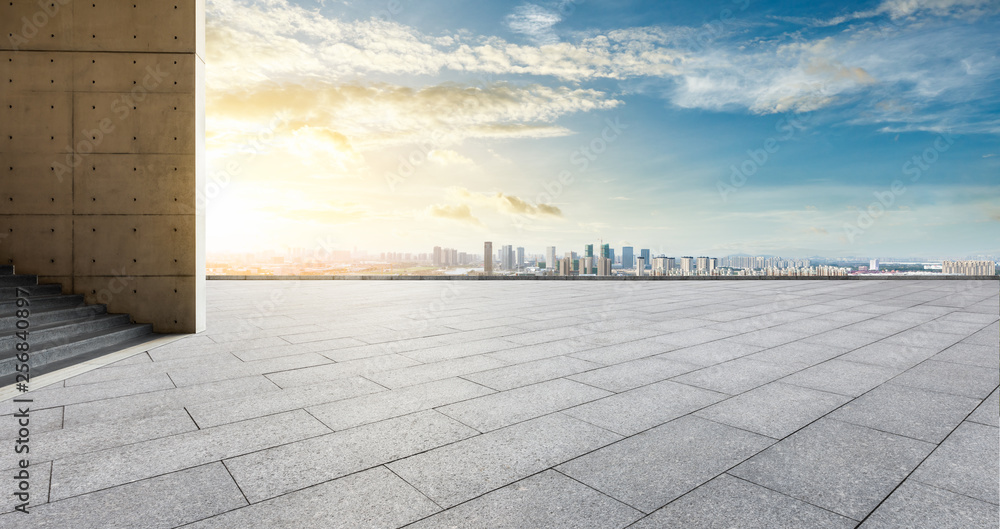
825,128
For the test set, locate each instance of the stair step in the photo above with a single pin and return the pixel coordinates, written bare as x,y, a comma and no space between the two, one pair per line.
6,270
49,335
40,303
8,293
18,281
81,345
39,318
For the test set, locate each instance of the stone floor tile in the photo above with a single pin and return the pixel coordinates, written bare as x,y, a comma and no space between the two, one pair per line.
842,377
898,356
515,376
957,379
85,473
653,468
200,375
989,411
976,355
508,407
775,410
711,353
642,408
324,373
293,466
911,412
548,500
249,407
729,502
464,470
349,413
159,402
965,463
840,467
630,375
161,502
374,499
918,506
736,376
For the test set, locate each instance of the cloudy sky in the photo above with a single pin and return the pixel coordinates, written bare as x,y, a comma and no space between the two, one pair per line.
689,127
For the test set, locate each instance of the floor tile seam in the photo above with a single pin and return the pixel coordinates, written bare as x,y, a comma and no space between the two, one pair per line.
546,414
709,419
887,432
238,487
126,483
199,429
915,468
857,522
64,404
414,487
939,487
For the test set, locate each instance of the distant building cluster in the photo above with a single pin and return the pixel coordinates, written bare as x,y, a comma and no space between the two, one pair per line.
594,260
969,268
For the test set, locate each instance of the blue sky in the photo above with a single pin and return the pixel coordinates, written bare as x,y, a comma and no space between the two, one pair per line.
709,128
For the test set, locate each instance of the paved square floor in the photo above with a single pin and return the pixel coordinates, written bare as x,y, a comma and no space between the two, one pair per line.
530,404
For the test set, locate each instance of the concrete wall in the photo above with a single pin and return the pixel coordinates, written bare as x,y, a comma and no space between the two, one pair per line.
102,151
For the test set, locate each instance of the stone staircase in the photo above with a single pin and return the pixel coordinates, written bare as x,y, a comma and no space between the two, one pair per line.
62,329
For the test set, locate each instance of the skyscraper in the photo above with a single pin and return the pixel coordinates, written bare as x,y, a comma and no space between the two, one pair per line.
437,256
687,265
604,266
488,258
640,266
520,257
588,250
606,250
507,257
628,261
550,257
703,264
645,257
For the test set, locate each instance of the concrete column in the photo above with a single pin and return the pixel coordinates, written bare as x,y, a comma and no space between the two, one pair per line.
102,152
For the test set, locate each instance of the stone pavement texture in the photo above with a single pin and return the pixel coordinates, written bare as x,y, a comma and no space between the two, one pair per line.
505,404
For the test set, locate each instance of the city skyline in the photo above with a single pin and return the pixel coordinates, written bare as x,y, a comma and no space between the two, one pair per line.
848,128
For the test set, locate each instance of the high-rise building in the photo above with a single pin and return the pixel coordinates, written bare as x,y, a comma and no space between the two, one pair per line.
454,257
687,265
713,263
644,253
588,250
565,266
703,264
520,257
969,268
628,261
507,257
640,266
663,265
604,266
606,250
873,265
586,265
550,257
437,256
611,255
488,258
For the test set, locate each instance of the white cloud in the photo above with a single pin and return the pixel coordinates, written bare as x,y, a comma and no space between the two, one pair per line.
919,65
534,21
448,157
